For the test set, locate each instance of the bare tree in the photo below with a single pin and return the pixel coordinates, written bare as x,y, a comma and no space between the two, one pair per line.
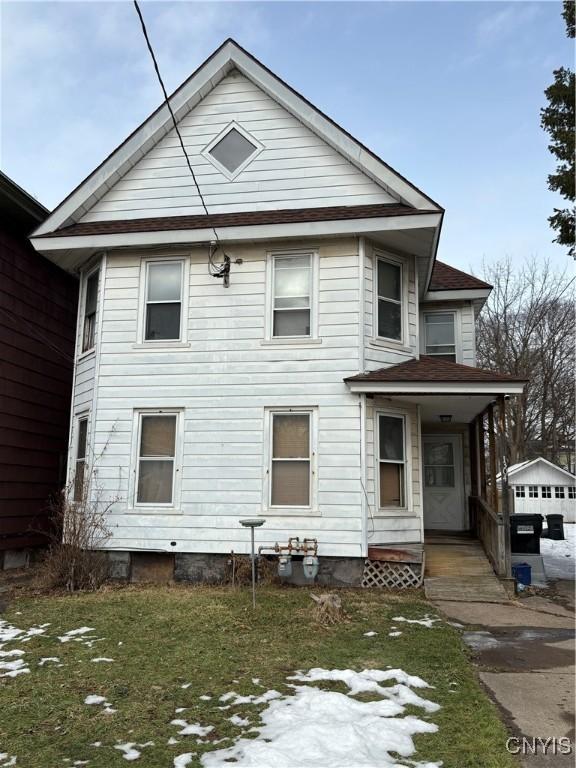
527,330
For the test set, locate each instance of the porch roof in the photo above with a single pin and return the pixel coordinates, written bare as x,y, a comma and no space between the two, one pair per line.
432,375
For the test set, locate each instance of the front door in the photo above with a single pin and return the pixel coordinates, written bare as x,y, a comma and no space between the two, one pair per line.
444,507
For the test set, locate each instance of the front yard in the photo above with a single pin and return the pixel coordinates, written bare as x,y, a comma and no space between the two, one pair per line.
177,676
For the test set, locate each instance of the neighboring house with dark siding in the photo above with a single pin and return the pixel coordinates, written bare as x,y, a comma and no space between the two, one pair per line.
37,325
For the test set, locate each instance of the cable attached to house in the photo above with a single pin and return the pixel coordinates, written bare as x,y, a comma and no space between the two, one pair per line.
215,270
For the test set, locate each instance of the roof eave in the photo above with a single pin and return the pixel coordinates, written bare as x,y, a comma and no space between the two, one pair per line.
435,387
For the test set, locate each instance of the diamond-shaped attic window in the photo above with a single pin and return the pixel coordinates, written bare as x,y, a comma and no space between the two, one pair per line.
233,151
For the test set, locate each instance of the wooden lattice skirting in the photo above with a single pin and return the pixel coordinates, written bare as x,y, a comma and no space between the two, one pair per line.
392,575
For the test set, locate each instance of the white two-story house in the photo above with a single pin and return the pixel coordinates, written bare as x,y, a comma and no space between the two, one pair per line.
326,383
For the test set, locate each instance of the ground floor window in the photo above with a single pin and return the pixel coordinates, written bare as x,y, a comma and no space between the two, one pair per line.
156,458
391,459
520,492
291,459
559,492
571,492
546,492
80,464
532,491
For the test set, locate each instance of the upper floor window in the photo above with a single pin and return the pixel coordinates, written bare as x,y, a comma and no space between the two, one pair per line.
546,492
80,462
156,458
292,295
520,492
391,461
163,312
559,491
90,305
291,460
232,150
389,286
440,337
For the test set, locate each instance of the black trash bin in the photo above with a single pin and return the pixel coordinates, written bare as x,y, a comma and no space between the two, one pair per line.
555,527
525,532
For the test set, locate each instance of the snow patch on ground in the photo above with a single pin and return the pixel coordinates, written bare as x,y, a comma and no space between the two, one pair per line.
192,729
128,750
101,658
242,722
560,556
394,634
46,659
427,621
235,698
183,760
205,697
335,729
370,634
67,636
7,760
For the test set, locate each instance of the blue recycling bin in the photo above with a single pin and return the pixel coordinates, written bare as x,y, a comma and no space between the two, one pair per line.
522,572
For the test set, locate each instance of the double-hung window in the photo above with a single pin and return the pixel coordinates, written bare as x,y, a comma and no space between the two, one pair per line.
80,462
156,458
163,301
439,333
389,287
546,492
532,491
520,492
391,461
291,459
559,491
292,295
90,305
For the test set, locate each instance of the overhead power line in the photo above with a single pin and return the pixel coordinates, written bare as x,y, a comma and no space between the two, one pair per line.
216,270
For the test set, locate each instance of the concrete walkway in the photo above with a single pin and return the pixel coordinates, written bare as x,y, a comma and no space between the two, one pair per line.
524,651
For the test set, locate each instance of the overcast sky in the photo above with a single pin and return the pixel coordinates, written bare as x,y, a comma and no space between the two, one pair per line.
448,93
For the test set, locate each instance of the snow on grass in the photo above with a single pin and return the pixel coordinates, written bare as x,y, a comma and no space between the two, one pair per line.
560,556
427,621
67,636
10,633
239,721
129,751
334,728
186,685
205,697
7,760
235,698
192,729
14,668
394,634
370,634
46,659
183,760
94,699
101,658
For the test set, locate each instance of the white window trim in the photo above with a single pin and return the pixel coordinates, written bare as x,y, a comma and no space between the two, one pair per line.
559,489
457,331
313,338
407,509
520,491
267,508
403,341
84,289
174,505
533,492
546,492
71,474
231,175
160,344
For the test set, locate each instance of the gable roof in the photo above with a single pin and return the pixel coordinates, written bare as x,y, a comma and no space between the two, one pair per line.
434,369
226,58
516,468
18,207
447,278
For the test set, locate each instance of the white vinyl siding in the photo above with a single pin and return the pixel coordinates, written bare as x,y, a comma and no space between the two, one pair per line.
295,169
225,380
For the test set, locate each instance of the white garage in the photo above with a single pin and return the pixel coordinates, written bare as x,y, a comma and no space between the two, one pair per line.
541,487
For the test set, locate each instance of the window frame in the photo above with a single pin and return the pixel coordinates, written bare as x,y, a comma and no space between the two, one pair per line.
379,256
139,414
84,352
145,264
559,492
457,340
545,491
271,256
406,508
79,418
312,508
231,175
519,491
533,492
571,492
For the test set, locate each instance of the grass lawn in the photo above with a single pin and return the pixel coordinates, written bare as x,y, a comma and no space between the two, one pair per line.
162,638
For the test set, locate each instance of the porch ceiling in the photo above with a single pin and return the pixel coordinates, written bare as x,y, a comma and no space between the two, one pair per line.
462,408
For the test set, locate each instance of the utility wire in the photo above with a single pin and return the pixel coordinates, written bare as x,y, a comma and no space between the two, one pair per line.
223,269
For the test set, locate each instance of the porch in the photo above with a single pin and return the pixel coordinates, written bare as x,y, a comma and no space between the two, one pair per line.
461,415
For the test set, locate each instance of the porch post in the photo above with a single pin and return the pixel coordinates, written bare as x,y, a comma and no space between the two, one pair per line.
482,455
504,484
473,440
492,447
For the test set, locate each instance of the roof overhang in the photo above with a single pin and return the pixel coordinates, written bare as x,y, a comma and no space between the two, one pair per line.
490,388
457,295
71,251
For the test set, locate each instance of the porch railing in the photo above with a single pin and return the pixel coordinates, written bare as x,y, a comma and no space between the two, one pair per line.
490,528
